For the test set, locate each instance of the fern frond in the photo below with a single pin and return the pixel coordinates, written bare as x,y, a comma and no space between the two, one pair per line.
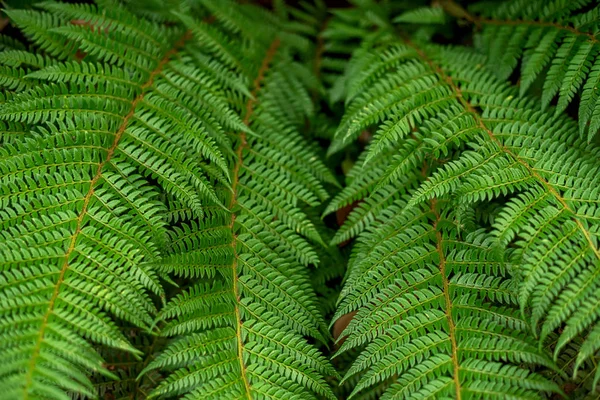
82,215
422,15
438,321
127,368
473,140
556,41
240,331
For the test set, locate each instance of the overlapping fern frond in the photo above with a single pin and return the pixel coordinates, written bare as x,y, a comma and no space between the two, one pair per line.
127,367
554,43
437,315
445,129
120,129
239,331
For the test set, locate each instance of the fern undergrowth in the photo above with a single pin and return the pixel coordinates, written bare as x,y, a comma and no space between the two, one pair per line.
172,223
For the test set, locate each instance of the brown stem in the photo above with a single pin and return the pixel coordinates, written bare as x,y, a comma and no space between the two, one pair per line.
86,201
447,300
250,104
469,107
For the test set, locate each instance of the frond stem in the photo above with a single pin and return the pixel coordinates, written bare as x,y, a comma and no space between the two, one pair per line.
319,52
86,201
234,187
148,357
448,301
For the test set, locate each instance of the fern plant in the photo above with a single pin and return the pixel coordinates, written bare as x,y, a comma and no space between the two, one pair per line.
162,182
518,185
134,149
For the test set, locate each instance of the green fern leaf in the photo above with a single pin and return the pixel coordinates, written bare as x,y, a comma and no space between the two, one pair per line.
240,331
82,218
561,35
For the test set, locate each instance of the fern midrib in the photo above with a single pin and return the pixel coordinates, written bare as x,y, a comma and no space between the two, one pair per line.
458,11
547,186
575,31
86,201
447,300
250,104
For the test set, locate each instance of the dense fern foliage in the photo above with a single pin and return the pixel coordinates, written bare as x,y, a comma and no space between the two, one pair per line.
170,225
134,149
552,40
518,185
